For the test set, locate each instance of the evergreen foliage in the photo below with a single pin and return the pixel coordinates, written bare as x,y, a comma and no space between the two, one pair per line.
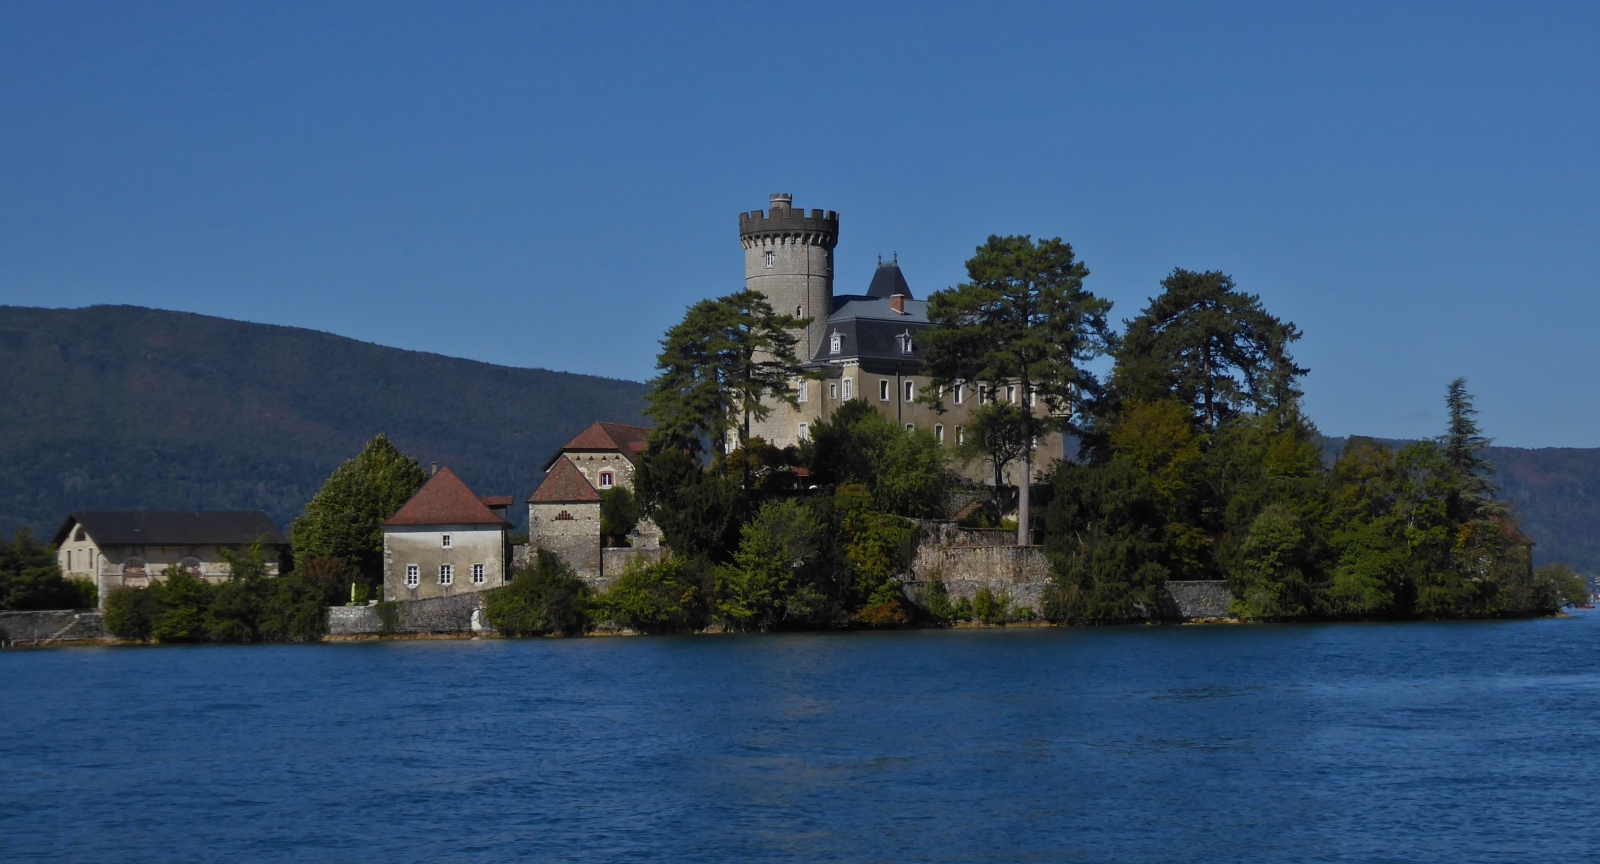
906,473
544,598
619,513
1025,320
665,597
344,520
31,579
250,606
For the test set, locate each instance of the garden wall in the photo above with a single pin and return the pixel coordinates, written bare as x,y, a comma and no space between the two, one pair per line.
462,613
49,627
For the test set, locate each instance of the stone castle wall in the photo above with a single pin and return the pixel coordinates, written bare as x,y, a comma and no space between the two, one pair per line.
51,627
576,540
461,613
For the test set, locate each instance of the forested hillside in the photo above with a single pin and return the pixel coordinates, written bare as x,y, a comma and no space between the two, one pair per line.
122,407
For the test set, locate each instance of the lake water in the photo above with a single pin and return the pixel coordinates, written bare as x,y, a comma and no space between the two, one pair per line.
1410,742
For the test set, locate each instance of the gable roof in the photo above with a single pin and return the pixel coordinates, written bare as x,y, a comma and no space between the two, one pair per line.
564,485
445,500
606,438
173,528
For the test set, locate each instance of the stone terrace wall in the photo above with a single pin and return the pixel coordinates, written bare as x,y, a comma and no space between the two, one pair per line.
461,613
1198,599
59,625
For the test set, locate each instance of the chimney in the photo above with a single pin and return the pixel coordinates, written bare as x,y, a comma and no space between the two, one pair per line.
897,302
433,468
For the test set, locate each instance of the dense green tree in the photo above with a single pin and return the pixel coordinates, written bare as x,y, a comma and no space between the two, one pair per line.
725,364
699,513
344,520
544,597
1107,539
130,613
1023,320
907,473
182,599
31,579
619,513
665,597
774,578
876,549
1209,345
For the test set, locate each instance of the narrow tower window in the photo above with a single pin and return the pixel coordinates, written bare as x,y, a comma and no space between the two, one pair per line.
960,387
847,388
938,432
803,391
769,259
911,392
805,432
883,389
607,479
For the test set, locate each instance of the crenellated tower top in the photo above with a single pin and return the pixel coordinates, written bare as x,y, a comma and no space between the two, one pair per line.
783,223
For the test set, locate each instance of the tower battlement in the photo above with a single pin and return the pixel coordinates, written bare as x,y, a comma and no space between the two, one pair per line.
783,222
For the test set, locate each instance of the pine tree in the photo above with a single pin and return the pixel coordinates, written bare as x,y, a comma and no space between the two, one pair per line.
1023,320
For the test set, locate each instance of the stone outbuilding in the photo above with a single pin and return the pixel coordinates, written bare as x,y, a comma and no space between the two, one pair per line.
564,513
446,541
134,547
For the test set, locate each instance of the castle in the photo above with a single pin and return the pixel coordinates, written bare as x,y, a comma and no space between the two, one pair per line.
865,346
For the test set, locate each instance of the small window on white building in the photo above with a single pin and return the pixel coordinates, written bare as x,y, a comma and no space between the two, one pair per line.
769,258
847,388
607,479
961,436
883,389
413,575
447,574
911,392
444,541
836,344
804,431
477,574
938,432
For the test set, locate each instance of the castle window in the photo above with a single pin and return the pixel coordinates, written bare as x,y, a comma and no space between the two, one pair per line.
905,342
938,433
803,391
447,574
804,431
847,388
477,574
883,389
1011,394
835,344
769,259
413,575
606,479
911,392
833,391
799,312
960,388
983,393
444,541
961,437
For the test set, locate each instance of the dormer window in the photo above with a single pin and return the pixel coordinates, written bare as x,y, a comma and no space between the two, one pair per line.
905,342
769,259
607,479
835,343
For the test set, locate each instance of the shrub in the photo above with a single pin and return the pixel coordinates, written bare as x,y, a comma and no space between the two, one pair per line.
662,598
293,611
182,601
989,607
130,613
936,600
961,610
543,598
31,579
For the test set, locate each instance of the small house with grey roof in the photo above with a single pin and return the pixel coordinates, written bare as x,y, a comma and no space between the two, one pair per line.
135,547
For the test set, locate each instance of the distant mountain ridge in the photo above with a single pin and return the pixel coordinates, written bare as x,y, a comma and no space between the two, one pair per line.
124,407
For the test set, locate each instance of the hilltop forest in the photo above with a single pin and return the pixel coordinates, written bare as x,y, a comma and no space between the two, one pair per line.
127,408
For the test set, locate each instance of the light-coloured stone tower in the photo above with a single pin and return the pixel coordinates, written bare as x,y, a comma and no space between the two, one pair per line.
788,256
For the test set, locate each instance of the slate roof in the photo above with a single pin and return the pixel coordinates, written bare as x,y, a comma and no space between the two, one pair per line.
607,438
564,485
888,281
870,330
173,528
445,500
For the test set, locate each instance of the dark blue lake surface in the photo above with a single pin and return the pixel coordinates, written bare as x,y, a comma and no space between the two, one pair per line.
1417,742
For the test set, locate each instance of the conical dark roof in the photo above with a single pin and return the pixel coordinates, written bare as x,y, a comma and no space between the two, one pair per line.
888,281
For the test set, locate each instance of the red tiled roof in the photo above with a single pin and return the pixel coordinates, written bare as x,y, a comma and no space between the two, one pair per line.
608,438
564,485
498,500
445,500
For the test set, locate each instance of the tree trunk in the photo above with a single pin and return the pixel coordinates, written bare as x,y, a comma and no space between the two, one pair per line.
1023,484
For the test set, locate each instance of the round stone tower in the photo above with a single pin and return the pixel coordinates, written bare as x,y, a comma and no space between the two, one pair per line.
788,256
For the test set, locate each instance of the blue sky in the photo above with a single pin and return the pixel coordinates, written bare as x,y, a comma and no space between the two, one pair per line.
1415,185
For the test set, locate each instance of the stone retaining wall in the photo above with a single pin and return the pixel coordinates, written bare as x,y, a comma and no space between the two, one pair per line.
462,613
1198,599
48,627
1018,572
